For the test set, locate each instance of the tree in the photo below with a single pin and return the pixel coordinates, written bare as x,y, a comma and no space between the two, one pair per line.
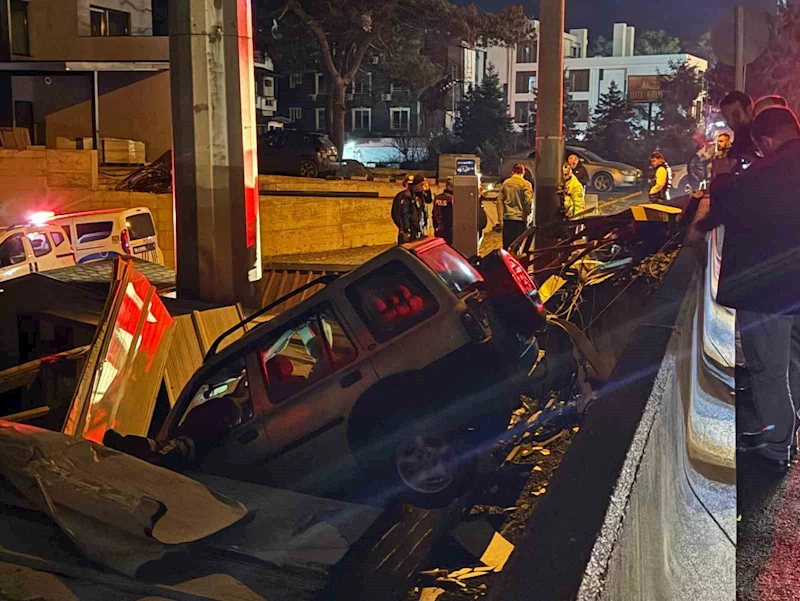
601,47
656,41
777,71
676,125
483,122
612,125
408,33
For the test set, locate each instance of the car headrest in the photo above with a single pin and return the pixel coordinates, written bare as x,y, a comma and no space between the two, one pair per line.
279,367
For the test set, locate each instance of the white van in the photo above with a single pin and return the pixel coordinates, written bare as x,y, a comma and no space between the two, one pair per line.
33,248
108,233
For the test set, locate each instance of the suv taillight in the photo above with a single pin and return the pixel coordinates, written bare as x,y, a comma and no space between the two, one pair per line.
125,239
518,273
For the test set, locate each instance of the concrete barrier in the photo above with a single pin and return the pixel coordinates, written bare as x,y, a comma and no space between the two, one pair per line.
643,506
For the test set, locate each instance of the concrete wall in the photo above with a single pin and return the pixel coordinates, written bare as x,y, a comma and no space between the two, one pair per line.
54,35
301,224
138,111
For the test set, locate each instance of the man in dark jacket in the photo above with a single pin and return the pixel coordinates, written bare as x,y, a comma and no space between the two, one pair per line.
737,109
698,166
579,170
408,211
760,275
443,213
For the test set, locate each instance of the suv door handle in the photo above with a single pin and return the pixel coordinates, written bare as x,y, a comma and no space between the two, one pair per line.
350,379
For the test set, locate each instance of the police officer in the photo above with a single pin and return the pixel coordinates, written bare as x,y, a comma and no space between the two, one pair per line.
662,178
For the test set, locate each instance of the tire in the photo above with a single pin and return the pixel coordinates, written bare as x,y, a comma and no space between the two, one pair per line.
412,459
309,169
603,182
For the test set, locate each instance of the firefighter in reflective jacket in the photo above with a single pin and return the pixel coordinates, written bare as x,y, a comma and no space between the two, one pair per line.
662,178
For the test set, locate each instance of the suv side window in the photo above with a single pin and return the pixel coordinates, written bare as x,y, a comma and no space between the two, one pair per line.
12,251
391,300
302,353
222,403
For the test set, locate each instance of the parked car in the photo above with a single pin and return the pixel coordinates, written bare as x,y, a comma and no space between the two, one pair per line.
398,373
681,184
32,248
108,233
605,176
290,152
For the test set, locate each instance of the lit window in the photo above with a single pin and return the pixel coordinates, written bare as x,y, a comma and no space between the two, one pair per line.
269,87
107,22
19,28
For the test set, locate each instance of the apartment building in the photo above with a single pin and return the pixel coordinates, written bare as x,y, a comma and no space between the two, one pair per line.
588,78
92,69
377,105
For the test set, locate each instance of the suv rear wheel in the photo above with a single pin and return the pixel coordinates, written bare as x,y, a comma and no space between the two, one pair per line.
411,457
309,169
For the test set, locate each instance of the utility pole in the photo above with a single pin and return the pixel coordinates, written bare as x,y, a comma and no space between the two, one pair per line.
549,116
741,66
215,165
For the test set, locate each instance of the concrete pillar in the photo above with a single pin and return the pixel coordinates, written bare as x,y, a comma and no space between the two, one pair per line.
217,234
550,117
630,39
619,42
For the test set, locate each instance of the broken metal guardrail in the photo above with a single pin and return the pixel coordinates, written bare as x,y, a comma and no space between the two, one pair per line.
644,504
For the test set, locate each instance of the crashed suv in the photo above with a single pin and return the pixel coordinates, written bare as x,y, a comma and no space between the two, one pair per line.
394,376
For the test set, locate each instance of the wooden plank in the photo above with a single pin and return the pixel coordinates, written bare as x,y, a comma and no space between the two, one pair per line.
26,416
24,375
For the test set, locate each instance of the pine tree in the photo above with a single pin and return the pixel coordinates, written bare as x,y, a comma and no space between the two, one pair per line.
483,122
612,125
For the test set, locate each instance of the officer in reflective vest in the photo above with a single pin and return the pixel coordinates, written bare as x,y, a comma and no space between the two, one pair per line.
661,183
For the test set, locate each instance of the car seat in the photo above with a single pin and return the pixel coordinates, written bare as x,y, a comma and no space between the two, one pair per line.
212,420
282,382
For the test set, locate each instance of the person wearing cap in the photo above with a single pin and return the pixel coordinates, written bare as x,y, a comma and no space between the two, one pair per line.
443,213
408,211
662,178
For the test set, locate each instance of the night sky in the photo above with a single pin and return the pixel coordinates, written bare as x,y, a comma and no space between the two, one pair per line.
686,19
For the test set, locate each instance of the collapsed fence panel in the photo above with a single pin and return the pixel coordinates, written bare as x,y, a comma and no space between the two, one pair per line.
644,504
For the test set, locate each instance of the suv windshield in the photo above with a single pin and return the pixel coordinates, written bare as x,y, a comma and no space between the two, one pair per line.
453,269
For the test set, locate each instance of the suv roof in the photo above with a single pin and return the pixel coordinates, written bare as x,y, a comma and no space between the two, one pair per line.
330,286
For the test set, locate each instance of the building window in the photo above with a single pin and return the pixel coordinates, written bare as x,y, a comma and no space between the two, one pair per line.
295,113
575,52
400,118
268,84
527,52
581,110
319,83
295,79
362,119
397,88
107,22
522,112
362,84
19,28
579,80
320,122
526,82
